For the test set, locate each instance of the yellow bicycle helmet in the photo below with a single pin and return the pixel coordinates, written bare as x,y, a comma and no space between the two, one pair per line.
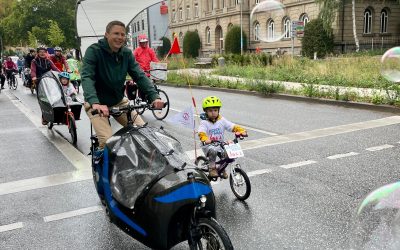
211,102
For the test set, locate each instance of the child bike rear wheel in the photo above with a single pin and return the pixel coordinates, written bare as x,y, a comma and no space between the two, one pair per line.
72,128
161,114
240,183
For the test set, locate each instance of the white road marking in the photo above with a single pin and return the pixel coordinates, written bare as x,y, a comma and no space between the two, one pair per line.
338,156
44,181
246,127
73,213
298,164
77,159
82,162
377,148
259,172
10,227
313,134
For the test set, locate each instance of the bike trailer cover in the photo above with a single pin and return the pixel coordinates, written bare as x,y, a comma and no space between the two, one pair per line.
50,92
139,156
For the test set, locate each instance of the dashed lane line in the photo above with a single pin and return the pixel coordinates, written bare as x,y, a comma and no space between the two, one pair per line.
313,134
44,181
338,156
73,213
77,159
378,148
298,164
10,227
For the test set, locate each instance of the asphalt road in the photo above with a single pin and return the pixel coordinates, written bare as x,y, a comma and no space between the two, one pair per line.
311,165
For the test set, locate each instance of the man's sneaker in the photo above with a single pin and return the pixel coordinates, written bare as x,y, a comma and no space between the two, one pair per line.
213,172
225,175
44,122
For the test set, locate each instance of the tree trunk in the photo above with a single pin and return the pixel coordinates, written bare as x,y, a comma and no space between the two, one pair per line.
353,15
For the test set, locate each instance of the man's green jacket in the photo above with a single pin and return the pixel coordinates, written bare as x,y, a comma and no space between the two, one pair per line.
104,72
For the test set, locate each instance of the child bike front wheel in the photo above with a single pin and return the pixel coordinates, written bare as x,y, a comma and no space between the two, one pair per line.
240,183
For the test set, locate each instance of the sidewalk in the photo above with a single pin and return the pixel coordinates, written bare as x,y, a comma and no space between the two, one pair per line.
28,155
362,92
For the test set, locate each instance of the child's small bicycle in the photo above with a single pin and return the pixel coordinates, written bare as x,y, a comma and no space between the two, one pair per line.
238,179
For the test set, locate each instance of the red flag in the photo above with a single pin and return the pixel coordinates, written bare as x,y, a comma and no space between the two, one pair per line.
175,49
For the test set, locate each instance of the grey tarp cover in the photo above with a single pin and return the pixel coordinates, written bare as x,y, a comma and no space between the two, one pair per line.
50,91
98,13
140,156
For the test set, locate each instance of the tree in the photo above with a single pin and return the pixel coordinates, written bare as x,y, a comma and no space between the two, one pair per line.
55,36
232,40
191,44
26,14
328,13
163,51
32,40
316,39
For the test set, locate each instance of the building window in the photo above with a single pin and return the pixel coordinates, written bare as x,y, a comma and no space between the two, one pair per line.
212,4
367,21
134,28
181,38
196,10
237,2
208,35
223,3
287,27
180,14
257,1
138,26
173,16
384,21
305,19
271,29
187,12
142,24
257,32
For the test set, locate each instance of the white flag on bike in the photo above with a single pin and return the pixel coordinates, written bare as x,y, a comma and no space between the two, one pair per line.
184,118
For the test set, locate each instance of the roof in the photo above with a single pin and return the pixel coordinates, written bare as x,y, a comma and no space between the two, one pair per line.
92,17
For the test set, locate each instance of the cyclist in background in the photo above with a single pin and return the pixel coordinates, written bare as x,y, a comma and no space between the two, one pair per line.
144,55
59,60
29,57
9,67
74,66
20,64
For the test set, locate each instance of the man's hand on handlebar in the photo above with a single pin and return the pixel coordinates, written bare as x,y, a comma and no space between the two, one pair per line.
102,109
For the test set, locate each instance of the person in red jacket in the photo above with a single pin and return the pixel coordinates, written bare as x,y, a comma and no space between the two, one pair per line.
59,60
144,55
9,67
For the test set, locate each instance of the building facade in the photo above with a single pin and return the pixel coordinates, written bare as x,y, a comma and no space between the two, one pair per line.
152,21
375,21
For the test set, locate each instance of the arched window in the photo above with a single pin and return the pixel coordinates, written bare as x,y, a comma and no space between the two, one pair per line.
287,27
367,21
271,29
208,35
384,21
256,31
304,17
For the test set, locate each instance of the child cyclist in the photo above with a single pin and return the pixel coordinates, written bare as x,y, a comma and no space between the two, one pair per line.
68,88
212,129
